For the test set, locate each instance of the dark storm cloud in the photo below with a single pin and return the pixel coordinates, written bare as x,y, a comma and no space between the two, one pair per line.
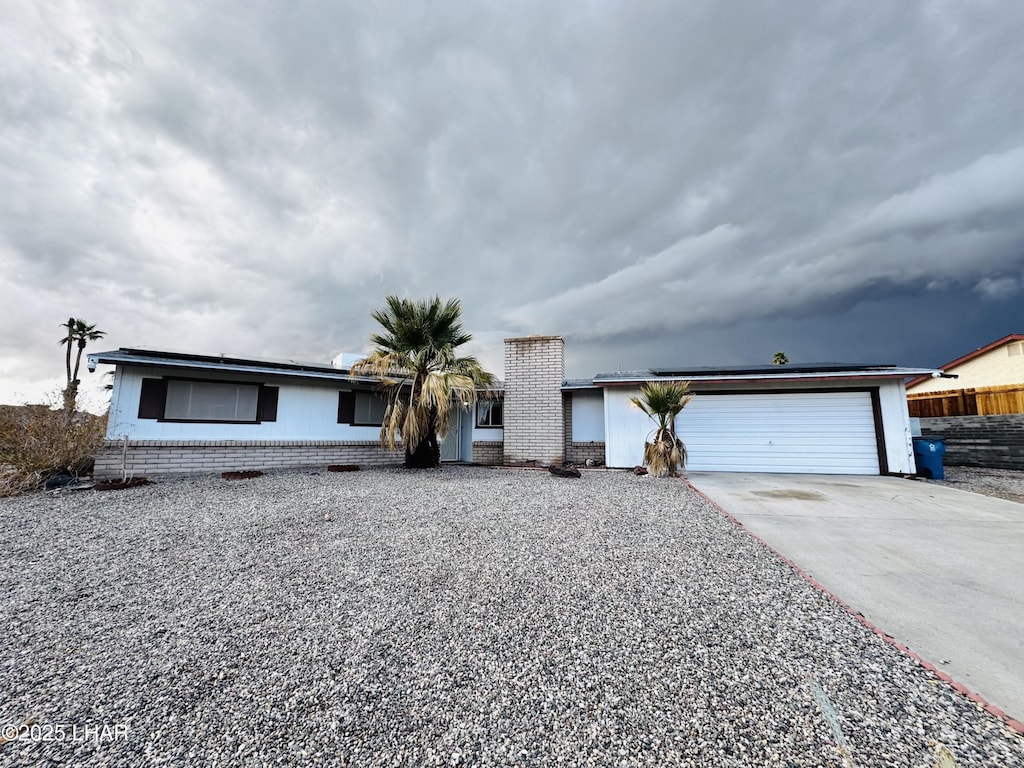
699,179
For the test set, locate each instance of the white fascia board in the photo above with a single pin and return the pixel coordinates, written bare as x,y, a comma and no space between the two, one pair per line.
199,365
897,373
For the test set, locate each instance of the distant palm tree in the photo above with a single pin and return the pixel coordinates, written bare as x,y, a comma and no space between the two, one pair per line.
780,359
421,373
79,333
662,402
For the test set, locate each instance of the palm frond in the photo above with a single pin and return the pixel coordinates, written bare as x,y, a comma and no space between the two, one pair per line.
662,401
391,425
417,362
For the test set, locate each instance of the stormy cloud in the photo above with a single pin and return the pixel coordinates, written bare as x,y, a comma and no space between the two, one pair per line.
661,183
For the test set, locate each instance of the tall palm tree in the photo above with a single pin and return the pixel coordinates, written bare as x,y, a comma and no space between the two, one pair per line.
422,373
79,333
662,402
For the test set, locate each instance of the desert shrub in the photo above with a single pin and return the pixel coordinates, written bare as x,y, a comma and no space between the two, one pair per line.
39,441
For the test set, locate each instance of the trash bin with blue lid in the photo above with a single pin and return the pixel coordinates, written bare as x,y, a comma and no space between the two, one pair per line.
928,453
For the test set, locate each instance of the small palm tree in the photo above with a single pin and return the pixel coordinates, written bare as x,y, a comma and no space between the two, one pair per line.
781,358
422,374
79,333
662,401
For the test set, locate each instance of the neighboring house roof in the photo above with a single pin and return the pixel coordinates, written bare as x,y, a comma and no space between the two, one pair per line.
808,371
142,356
971,355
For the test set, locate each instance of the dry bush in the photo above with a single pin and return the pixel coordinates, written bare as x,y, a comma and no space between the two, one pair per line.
38,441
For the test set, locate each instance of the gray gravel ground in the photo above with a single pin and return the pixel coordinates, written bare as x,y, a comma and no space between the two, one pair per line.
472,617
1001,483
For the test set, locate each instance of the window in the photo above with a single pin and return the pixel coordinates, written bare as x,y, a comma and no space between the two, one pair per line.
489,414
226,402
209,401
361,409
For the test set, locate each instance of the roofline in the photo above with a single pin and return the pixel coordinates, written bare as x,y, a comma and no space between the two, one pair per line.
165,354
971,355
895,373
159,359
295,370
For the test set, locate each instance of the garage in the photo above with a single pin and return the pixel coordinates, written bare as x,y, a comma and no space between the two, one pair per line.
830,432
821,419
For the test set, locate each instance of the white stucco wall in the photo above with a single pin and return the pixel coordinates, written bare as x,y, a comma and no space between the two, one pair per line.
306,410
995,368
899,445
625,427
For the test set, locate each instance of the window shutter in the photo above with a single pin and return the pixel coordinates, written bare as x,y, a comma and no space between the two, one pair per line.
346,407
153,398
267,408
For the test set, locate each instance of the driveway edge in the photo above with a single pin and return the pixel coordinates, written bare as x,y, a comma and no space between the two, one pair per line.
992,709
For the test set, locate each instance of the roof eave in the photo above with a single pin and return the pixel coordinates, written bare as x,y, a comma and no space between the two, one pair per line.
713,379
299,372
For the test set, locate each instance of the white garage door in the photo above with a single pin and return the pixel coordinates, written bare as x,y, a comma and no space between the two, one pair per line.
817,432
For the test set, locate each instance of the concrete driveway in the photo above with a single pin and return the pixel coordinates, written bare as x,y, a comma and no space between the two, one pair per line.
939,569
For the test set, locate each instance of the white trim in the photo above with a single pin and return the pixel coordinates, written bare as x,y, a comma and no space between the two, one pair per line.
900,373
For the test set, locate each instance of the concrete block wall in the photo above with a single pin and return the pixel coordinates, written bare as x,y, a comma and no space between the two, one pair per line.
578,453
148,458
488,453
534,418
980,441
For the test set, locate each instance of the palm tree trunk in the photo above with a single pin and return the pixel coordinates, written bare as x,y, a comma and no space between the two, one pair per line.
78,359
426,455
68,393
68,341
71,393
71,397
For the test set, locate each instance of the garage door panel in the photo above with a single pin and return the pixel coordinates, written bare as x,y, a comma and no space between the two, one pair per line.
822,432
727,430
746,444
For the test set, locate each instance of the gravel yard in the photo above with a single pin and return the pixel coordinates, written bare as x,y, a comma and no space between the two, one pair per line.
469,617
1001,483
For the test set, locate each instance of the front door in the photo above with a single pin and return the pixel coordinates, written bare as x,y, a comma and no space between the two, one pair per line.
450,442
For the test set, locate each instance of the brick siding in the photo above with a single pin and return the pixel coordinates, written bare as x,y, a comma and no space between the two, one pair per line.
534,421
149,458
980,441
488,452
578,453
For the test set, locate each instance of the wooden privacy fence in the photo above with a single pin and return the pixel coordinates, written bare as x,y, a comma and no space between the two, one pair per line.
980,401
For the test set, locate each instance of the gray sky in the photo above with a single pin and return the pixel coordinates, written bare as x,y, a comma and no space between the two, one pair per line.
661,183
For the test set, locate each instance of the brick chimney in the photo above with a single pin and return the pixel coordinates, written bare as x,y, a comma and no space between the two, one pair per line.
533,411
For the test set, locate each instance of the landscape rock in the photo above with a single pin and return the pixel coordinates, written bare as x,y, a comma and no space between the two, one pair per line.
58,480
244,475
564,471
